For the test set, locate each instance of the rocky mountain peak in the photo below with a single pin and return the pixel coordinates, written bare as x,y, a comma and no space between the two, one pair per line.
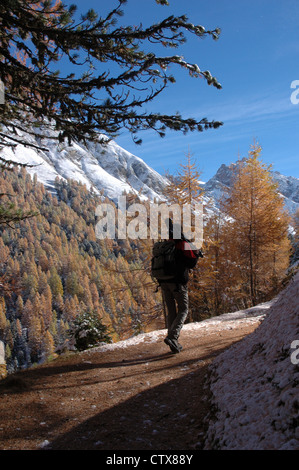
111,170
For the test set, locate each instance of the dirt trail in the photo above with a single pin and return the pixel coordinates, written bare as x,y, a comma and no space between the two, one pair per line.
138,398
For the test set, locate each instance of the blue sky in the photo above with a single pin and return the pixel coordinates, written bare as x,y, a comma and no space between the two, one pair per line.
256,59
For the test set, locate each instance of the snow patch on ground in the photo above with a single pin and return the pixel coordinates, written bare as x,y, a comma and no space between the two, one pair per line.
222,322
255,385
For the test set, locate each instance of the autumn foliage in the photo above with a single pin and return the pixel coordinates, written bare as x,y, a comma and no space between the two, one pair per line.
55,270
246,244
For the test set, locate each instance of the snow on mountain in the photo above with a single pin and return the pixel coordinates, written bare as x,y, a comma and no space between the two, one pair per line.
112,170
255,383
105,168
288,186
289,189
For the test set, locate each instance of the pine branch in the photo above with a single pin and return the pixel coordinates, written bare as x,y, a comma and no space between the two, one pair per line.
36,35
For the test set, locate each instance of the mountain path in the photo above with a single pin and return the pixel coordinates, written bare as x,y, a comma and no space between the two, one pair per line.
140,397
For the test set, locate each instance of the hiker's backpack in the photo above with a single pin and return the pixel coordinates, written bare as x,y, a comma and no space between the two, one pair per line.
164,261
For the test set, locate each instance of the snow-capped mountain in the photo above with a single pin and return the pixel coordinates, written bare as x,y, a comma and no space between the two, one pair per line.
111,170
289,189
288,186
107,168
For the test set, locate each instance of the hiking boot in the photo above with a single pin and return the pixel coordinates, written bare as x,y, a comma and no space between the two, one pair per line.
175,347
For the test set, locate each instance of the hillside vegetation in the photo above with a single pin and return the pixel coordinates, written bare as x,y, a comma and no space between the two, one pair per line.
53,269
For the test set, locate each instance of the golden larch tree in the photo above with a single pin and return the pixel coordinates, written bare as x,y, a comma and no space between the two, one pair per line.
257,234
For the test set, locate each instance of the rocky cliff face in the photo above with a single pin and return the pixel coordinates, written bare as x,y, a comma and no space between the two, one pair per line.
288,186
107,168
110,169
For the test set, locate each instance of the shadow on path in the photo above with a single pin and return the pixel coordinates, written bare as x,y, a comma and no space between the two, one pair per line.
169,416
143,398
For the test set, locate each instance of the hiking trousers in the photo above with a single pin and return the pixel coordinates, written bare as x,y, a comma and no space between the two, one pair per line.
176,300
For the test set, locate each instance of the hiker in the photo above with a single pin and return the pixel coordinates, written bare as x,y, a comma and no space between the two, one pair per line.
174,284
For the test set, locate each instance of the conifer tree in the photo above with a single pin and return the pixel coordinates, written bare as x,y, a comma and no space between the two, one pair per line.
35,337
257,235
27,313
55,284
185,187
89,99
48,344
2,317
208,299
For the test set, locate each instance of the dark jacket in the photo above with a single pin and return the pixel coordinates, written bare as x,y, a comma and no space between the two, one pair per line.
185,259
